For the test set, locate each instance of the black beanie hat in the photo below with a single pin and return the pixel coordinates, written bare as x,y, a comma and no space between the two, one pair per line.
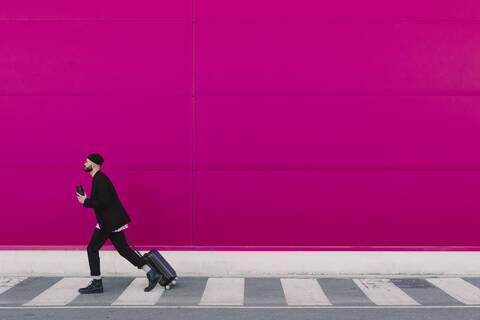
96,158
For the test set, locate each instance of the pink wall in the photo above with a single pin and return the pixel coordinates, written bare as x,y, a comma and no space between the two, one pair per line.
286,125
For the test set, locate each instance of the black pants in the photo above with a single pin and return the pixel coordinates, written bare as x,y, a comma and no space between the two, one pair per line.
119,242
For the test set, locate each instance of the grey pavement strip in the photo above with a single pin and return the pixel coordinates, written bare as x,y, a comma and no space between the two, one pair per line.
27,290
134,294
187,291
458,288
424,292
474,281
344,292
60,294
264,291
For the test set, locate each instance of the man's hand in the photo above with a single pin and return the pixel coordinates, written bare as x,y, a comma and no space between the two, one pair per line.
81,198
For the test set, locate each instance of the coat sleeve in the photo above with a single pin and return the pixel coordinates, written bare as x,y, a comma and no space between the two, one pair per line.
103,196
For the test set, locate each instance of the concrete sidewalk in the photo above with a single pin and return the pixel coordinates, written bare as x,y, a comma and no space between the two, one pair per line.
251,263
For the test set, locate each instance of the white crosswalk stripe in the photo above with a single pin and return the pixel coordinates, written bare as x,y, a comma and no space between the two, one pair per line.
304,292
134,294
61,293
384,292
224,291
9,282
458,288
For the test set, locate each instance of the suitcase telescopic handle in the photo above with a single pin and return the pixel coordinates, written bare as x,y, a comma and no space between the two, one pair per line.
138,252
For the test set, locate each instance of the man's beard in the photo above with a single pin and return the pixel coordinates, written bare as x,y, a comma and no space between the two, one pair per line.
88,169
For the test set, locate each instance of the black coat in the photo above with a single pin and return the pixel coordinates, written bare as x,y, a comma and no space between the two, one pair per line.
104,200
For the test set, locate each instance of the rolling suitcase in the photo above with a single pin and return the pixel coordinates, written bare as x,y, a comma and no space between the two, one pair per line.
155,260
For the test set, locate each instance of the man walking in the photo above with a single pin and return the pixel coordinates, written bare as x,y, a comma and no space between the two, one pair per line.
112,220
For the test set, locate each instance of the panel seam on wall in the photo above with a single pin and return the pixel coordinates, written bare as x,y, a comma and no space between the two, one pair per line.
193,123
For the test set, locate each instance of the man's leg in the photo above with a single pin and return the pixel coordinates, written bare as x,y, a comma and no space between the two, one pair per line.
120,243
96,242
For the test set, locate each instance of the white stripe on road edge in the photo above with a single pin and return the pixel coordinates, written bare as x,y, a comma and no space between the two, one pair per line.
7,283
224,291
384,292
59,294
304,292
458,288
134,294
243,307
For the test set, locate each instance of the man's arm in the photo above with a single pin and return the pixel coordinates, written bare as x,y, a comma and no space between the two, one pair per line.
103,198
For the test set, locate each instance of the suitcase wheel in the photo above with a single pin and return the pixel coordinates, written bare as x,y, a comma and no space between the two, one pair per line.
174,281
167,287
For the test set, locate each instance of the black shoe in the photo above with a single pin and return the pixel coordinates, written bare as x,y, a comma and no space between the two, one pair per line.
153,278
95,286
